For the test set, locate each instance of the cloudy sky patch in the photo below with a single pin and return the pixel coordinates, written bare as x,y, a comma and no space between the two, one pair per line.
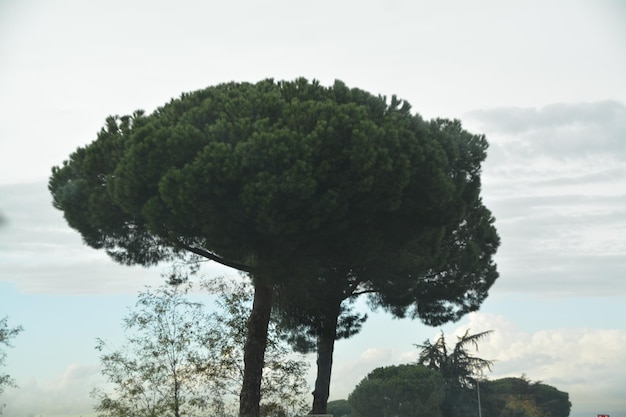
543,80
555,179
67,394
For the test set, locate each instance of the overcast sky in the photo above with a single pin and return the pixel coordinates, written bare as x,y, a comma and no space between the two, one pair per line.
544,80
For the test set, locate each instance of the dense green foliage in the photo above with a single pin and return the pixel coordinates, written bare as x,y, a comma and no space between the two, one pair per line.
339,408
6,334
302,186
272,176
519,397
399,391
414,390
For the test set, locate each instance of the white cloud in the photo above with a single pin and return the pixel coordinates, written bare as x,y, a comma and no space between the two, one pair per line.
348,373
375,355
65,395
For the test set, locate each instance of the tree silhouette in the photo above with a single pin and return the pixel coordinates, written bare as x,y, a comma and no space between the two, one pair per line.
459,368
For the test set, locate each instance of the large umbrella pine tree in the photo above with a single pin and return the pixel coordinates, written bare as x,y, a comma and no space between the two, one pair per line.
282,180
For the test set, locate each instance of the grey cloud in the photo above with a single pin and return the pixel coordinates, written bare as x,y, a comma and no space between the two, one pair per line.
559,130
518,178
515,120
555,179
563,245
602,174
525,205
563,276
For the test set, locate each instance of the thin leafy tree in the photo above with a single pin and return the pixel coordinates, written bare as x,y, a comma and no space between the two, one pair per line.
155,372
180,360
6,334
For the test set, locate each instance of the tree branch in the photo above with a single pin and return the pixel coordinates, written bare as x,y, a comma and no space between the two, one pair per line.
213,257
357,293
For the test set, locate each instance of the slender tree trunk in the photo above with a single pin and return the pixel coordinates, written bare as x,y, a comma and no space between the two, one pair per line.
254,351
176,396
325,348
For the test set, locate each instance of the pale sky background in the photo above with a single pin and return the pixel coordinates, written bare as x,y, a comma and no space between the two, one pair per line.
544,80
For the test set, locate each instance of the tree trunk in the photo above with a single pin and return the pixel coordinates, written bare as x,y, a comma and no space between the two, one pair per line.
254,351
325,348
176,396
